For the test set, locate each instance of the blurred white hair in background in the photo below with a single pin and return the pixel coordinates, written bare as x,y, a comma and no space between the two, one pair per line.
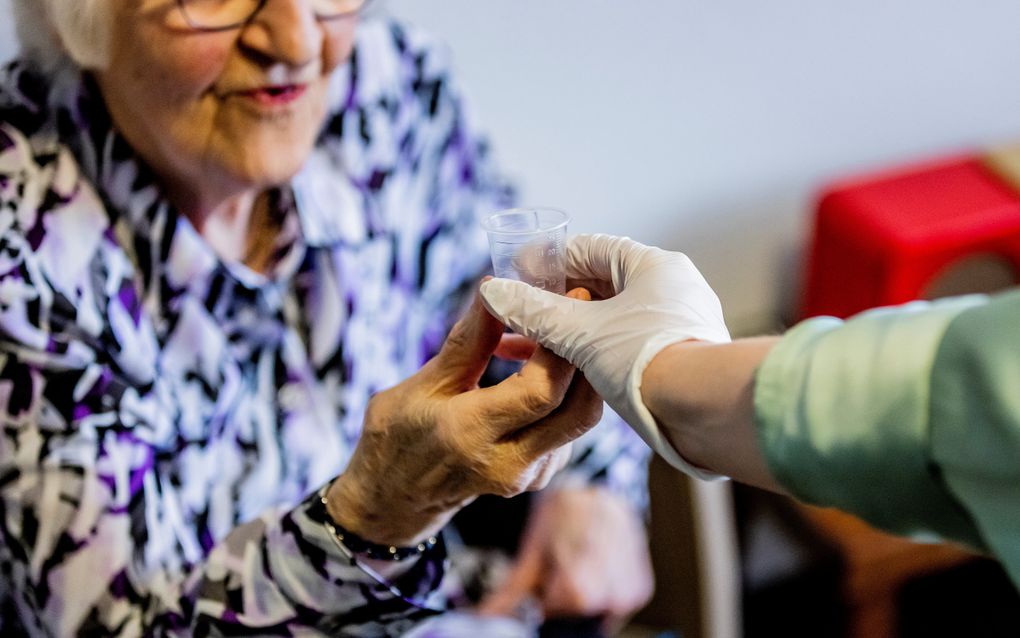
54,33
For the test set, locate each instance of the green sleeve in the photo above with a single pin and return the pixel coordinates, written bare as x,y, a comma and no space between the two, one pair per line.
975,421
843,415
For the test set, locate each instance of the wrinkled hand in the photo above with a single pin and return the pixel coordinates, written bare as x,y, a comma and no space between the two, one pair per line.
649,298
585,554
436,441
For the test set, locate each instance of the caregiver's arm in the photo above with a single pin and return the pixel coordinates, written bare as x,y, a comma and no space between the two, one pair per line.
702,395
906,416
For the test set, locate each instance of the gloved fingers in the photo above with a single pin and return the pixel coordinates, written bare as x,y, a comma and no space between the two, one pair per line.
514,347
607,259
543,316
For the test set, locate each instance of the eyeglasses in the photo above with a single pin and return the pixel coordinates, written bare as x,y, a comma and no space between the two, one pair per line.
220,15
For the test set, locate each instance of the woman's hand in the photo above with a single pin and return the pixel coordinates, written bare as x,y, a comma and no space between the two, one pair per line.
650,299
436,441
585,554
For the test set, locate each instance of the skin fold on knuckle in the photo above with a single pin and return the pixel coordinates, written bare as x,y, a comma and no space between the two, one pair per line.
464,335
539,397
504,415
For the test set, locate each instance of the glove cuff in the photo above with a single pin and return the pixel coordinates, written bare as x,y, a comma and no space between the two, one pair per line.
641,418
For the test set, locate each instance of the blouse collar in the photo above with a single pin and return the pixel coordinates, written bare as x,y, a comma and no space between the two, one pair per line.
170,256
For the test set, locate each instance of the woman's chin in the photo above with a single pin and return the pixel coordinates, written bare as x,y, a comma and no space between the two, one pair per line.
259,170
259,155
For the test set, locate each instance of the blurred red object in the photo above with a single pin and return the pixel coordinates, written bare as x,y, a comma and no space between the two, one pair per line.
881,239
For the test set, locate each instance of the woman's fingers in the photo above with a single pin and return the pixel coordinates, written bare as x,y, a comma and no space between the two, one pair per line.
556,390
522,584
525,397
596,558
532,393
580,410
579,292
598,288
468,348
514,347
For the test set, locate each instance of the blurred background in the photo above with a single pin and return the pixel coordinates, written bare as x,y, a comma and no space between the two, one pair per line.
711,128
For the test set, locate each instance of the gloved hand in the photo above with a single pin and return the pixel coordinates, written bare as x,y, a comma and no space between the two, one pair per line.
651,298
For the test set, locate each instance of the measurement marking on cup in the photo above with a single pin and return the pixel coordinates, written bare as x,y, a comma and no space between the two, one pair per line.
527,245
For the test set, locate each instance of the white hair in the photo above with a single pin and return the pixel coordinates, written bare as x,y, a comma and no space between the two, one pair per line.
55,33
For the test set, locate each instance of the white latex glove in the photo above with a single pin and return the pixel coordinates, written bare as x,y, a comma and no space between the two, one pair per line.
651,298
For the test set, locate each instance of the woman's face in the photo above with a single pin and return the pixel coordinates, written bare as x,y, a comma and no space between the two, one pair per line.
219,113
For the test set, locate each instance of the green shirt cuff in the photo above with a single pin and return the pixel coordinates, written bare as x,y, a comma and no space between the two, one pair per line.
842,415
975,417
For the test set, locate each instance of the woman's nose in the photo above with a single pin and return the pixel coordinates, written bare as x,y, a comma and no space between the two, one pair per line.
285,31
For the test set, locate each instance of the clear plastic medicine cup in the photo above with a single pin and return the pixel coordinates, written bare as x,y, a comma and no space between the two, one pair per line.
527,244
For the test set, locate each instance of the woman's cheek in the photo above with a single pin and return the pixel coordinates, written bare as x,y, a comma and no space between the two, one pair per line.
192,70
339,44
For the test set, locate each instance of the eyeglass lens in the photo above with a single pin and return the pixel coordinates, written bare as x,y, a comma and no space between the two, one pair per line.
221,14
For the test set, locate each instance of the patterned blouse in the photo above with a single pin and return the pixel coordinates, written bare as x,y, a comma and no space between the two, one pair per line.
168,416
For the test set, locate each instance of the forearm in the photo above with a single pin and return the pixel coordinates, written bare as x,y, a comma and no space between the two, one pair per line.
702,395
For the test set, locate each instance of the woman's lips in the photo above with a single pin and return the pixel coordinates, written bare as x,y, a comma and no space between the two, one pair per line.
276,95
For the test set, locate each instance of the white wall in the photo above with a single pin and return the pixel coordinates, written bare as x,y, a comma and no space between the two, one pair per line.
709,126
7,42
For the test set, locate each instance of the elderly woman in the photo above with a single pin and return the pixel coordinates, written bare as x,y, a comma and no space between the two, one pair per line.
224,226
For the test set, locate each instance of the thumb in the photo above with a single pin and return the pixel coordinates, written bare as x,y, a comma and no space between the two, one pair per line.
467,349
543,316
